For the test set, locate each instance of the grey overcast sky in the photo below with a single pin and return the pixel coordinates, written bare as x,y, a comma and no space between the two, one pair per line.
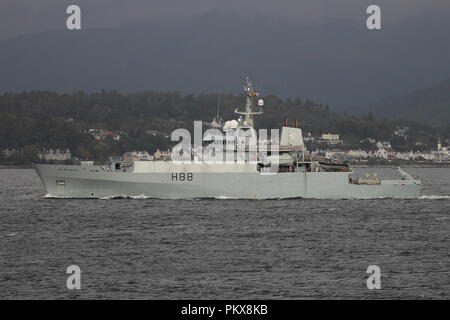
29,16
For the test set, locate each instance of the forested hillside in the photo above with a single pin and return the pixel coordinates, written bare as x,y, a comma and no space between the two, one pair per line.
430,105
334,61
42,119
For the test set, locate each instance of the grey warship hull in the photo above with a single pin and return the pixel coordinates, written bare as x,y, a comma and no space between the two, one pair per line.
183,182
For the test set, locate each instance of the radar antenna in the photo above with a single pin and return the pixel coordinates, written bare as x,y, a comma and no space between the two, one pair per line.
250,95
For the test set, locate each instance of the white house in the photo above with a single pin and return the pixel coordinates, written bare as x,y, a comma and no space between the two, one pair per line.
330,138
55,155
137,155
358,153
162,155
384,144
385,153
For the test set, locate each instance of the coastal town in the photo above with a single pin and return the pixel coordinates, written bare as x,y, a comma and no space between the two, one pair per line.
383,151
327,145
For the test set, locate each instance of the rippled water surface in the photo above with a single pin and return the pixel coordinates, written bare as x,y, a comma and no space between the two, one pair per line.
223,249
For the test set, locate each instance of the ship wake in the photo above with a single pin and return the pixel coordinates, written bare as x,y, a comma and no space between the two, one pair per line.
434,197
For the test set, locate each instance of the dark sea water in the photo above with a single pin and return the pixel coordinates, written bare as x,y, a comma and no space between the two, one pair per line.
224,249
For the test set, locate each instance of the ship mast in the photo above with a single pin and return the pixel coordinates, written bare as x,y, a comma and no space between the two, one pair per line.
249,113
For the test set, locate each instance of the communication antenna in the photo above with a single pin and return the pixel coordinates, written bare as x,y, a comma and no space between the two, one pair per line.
217,121
249,113
218,110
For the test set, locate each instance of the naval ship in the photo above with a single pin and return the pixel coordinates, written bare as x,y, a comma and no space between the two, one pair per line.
285,171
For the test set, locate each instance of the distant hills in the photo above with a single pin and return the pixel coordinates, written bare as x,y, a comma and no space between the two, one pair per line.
335,62
430,105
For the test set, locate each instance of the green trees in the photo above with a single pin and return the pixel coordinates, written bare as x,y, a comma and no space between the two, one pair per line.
29,155
35,120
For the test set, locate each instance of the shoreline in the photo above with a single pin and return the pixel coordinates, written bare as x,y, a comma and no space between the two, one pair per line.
16,167
412,165
384,165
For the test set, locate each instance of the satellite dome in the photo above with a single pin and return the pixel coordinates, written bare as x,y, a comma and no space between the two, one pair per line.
234,124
